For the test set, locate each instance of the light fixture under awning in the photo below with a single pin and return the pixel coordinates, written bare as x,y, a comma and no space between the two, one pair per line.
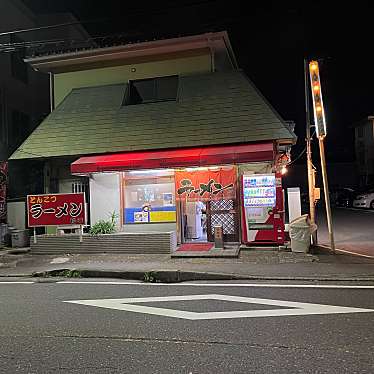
175,158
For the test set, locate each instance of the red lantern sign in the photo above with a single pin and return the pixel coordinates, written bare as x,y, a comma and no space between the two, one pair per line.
56,209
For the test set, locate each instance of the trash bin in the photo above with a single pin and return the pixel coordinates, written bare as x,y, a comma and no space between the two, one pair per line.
20,238
300,230
3,232
8,236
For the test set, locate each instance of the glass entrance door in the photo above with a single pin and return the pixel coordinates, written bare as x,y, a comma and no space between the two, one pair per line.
193,221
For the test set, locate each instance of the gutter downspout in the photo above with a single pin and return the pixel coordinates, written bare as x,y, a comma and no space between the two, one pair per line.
51,91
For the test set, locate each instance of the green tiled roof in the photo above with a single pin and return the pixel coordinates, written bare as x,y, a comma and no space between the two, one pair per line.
214,108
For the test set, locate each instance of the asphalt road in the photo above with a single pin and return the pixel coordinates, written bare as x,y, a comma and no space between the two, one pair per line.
40,332
353,229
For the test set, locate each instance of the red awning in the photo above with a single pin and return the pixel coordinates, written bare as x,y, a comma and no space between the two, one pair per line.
175,158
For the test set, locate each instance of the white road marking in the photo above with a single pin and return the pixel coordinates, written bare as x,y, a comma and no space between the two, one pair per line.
293,308
269,285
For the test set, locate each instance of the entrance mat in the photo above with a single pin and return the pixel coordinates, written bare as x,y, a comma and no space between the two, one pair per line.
195,247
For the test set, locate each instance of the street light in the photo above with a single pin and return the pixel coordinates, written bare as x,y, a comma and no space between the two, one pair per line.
320,125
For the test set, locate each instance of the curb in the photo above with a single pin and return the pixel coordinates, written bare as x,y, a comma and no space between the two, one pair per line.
176,276
152,276
18,251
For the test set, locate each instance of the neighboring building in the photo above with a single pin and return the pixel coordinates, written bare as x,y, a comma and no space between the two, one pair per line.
364,149
24,94
147,128
20,108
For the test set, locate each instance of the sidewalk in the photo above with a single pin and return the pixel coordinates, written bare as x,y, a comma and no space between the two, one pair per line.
251,264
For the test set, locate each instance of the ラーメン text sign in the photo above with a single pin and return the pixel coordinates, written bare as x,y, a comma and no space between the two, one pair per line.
56,209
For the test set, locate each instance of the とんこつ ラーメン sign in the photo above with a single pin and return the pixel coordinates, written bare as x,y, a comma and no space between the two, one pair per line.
56,209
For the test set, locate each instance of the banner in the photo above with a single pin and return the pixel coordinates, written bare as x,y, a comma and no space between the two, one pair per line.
56,209
3,190
205,185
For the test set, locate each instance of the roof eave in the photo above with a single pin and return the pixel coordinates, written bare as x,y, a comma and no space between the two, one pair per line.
287,141
57,62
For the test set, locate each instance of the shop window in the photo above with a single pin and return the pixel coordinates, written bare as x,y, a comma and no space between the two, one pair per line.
149,197
152,90
78,186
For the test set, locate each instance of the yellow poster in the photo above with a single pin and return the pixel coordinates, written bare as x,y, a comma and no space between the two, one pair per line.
162,216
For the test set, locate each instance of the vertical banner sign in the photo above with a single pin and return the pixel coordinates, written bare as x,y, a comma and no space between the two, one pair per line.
3,190
56,209
318,109
205,185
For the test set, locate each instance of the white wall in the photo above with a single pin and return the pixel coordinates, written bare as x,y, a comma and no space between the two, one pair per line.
16,212
294,203
104,196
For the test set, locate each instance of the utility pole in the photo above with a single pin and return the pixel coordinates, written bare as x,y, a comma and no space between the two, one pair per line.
320,124
326,190
311,179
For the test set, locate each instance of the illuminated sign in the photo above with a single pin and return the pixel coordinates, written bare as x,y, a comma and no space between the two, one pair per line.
259,190
319,112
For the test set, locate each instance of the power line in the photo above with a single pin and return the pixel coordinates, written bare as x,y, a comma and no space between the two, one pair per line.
107,19
14,32
96,41
301,153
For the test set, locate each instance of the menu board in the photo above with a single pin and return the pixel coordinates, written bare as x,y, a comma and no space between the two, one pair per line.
259,190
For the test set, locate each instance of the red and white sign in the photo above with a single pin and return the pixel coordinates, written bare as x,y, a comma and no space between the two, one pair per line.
56,209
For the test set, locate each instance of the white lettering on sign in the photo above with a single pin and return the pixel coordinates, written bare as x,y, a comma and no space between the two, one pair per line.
289,308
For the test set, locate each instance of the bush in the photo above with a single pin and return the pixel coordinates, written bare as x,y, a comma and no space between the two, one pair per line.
104,227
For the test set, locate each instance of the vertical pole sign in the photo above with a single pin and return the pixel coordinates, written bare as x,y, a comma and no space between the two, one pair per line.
56,210
320,124
3,190
310,167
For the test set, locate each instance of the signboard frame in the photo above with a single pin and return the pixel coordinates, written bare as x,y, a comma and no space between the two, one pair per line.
58,224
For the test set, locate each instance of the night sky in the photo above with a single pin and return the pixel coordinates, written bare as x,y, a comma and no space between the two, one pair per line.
270,41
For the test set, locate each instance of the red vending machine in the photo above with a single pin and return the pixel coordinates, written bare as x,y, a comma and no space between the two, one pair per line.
263,208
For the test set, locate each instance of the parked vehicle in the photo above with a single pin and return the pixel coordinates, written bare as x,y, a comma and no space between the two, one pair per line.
365,200
344,197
